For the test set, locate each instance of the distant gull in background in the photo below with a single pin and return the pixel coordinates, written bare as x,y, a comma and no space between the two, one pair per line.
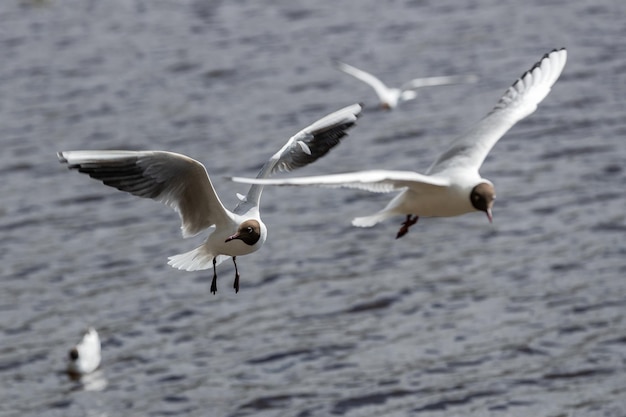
391,97
84,358
452,185
183,184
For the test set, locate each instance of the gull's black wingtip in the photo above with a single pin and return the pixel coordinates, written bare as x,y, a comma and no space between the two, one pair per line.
362,105
538,63
62,158
552,51
336,62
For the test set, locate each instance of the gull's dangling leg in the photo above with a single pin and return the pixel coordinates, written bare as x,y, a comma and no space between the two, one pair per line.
214,281
406,224
236,283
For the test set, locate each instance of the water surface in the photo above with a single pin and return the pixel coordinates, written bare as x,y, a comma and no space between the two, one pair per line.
459,318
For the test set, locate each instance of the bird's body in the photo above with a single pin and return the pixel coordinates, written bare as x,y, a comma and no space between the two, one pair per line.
183,184
85,357
452,185
446,201
390,97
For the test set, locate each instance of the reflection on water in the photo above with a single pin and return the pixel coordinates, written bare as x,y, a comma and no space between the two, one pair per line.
94,381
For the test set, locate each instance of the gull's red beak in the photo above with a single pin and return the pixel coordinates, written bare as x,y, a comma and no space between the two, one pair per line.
489,215
233,237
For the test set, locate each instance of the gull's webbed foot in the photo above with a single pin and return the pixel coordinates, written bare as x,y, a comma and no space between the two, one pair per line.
236,282
214,281
406,224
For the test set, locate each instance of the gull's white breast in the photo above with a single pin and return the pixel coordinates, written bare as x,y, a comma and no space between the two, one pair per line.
443,202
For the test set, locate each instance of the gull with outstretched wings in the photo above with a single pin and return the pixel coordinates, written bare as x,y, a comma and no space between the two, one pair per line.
390,97
452,185
183,184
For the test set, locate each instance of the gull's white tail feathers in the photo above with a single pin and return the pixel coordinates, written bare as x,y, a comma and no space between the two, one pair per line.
369,221
195,260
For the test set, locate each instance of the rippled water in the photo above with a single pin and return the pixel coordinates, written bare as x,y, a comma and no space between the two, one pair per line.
459,318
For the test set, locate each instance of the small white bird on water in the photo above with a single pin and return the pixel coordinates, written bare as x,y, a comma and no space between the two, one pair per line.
183,184
390,97
85,357
452,185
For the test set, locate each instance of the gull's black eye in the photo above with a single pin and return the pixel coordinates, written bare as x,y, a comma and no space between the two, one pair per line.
249,229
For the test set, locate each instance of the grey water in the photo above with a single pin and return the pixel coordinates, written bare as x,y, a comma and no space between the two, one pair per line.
522,317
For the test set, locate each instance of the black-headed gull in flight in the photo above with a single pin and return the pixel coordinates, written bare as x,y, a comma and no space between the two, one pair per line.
390,97
84,358
452,185
183,184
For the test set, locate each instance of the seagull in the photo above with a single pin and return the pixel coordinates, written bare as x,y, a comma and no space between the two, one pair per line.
391,97
84,358
183,184
452,185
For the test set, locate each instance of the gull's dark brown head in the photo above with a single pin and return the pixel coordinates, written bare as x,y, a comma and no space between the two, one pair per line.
73,354
482,198
249,232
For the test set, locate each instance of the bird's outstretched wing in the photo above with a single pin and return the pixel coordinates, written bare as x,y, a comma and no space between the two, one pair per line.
379,87
176,180
520,100
376,181
305,147
436,81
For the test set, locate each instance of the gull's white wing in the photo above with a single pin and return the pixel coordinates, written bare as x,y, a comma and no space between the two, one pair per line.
376,181
313,142
305,147
442,80
520,100
176,180
381,89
